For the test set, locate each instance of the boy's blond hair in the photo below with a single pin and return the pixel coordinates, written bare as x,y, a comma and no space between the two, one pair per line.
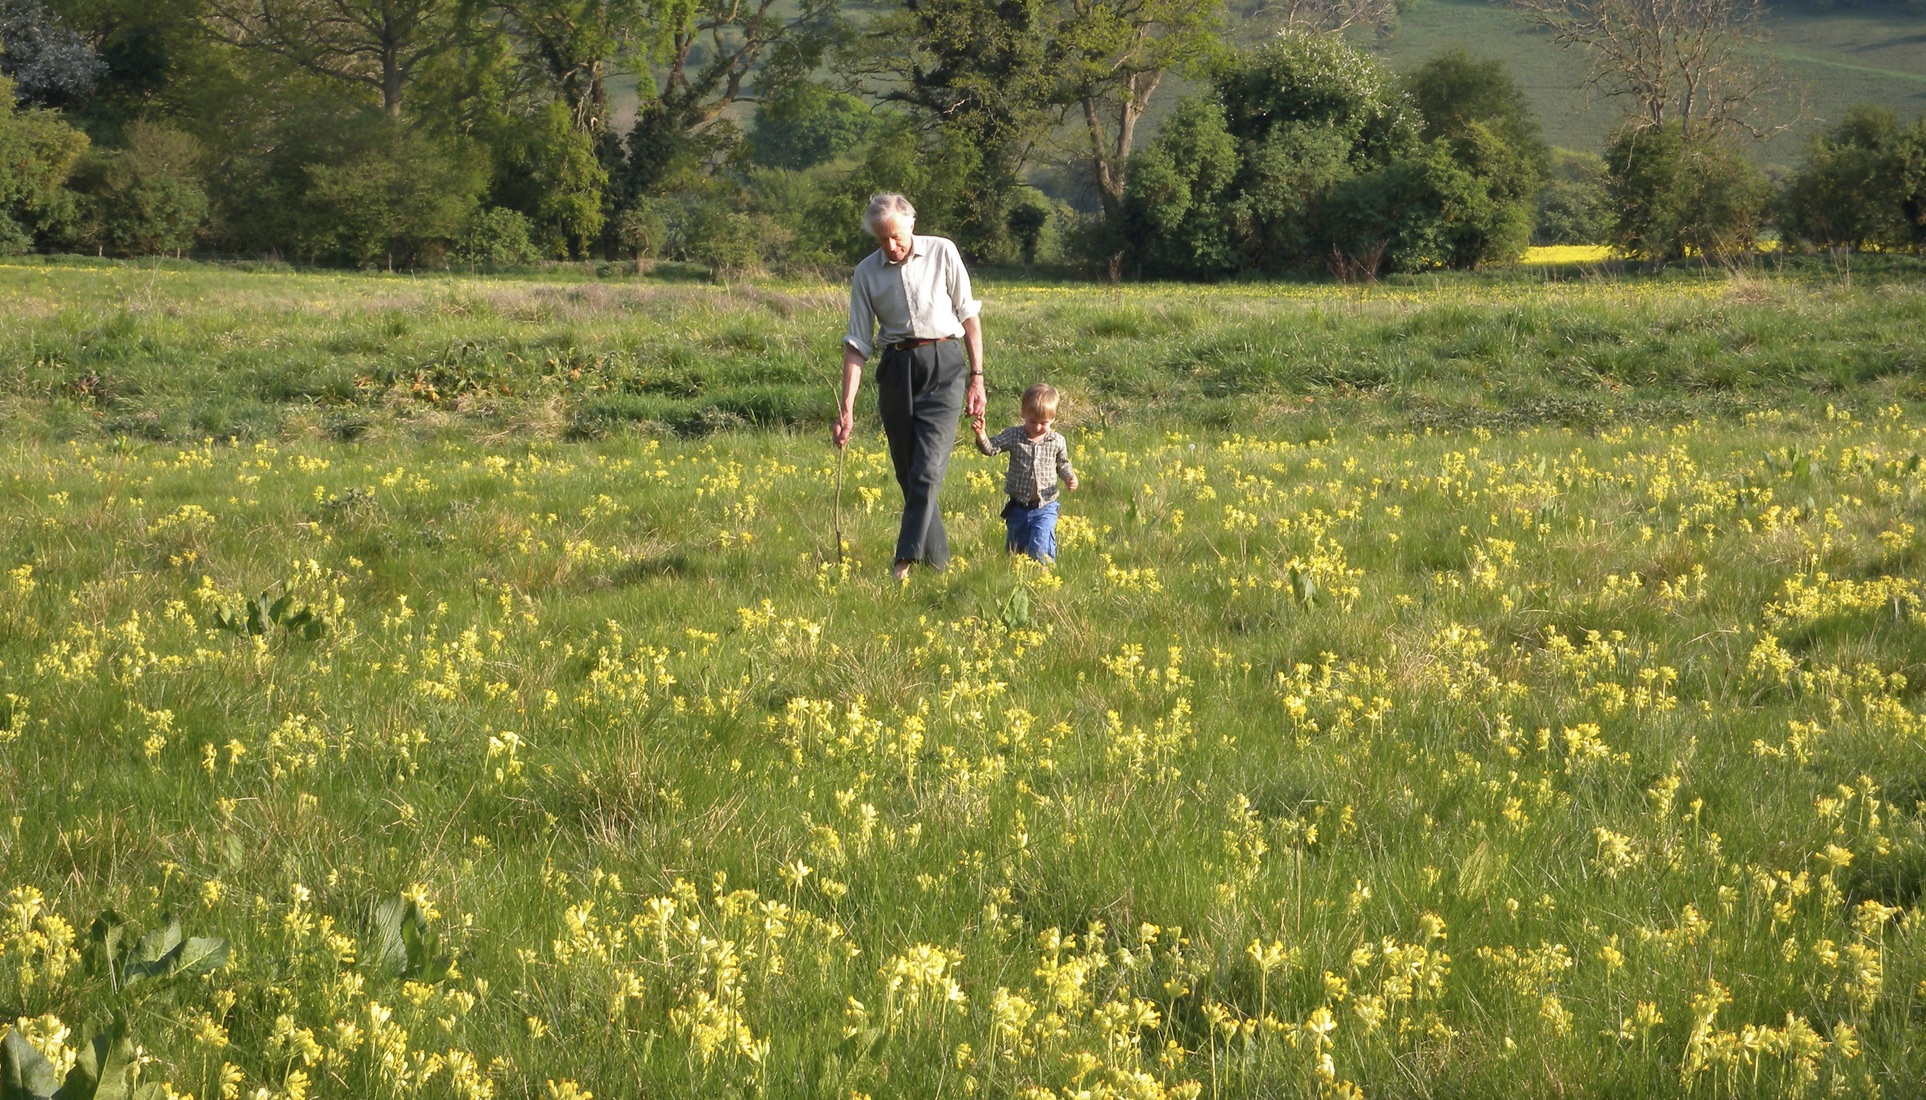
1040,400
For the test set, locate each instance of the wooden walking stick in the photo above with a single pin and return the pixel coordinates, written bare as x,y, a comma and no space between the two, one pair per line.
841,453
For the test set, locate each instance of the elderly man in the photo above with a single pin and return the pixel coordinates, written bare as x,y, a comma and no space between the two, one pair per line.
911,297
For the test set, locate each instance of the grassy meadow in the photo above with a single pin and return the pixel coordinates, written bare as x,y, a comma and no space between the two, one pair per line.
1450,688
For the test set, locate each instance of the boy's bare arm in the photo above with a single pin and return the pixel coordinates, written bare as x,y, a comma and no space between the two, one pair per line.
983,443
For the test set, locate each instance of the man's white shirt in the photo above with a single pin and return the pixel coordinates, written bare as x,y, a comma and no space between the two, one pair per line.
926,297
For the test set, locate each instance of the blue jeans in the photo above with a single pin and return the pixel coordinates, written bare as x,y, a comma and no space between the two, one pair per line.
1032,529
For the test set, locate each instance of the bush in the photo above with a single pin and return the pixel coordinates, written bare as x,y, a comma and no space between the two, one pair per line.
1175,201
327,185
1414,214
642,231
1573,207
37,153
1317,79
1480,114
142,200
495,237
1672,197
1238,182
550,171
397,196
1848,192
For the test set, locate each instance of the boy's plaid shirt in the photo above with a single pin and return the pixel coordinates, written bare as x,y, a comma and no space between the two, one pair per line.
1035,464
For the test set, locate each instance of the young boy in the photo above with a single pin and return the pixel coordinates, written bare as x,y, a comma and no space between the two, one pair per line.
1038,457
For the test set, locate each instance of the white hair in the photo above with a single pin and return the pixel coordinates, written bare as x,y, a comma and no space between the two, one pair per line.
889,204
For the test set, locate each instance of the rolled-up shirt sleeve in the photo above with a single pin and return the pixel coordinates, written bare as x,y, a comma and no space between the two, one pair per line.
961,302
1064,471
862,317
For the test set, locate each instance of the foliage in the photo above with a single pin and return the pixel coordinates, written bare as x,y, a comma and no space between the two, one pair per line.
381,46
1322,81
1672,198
642,231
396,195
1312,154
1849,192
37,152
496,236
806,124
50,64
1480,113
1419,213
551,172
1573,207
975,76
1111,56
144,199
1179,188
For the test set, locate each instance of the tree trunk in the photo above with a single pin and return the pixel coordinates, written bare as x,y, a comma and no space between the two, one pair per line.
392,73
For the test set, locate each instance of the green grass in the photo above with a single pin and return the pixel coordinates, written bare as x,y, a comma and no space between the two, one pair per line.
179,352
1562,655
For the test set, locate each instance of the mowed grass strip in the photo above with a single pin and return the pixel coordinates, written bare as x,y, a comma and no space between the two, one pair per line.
178,353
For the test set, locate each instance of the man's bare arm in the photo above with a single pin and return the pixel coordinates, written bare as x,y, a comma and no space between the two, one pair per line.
976,402
852,380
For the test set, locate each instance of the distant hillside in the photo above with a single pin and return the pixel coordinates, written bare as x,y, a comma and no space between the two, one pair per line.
1839,57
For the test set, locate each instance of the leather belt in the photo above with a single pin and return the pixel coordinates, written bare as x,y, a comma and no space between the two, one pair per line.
910,345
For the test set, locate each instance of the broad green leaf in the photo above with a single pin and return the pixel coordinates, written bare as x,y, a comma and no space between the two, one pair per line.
104,945
105,1068
199,955
159,942
391,949
1016,609
425,960
25,1074
278,610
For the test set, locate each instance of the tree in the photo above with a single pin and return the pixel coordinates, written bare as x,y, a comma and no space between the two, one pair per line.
717,53
396,195
49,63
1331,16
37,152
1241,182
1847,194
1416,213
1673,198
1573,207
1174,214
376,44
806,124
1478,113
575,42
1111,55
1318,79
1910,155
551,171
143,199
979,72
1686,62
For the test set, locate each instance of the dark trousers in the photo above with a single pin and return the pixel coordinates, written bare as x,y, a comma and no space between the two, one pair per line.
920,396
